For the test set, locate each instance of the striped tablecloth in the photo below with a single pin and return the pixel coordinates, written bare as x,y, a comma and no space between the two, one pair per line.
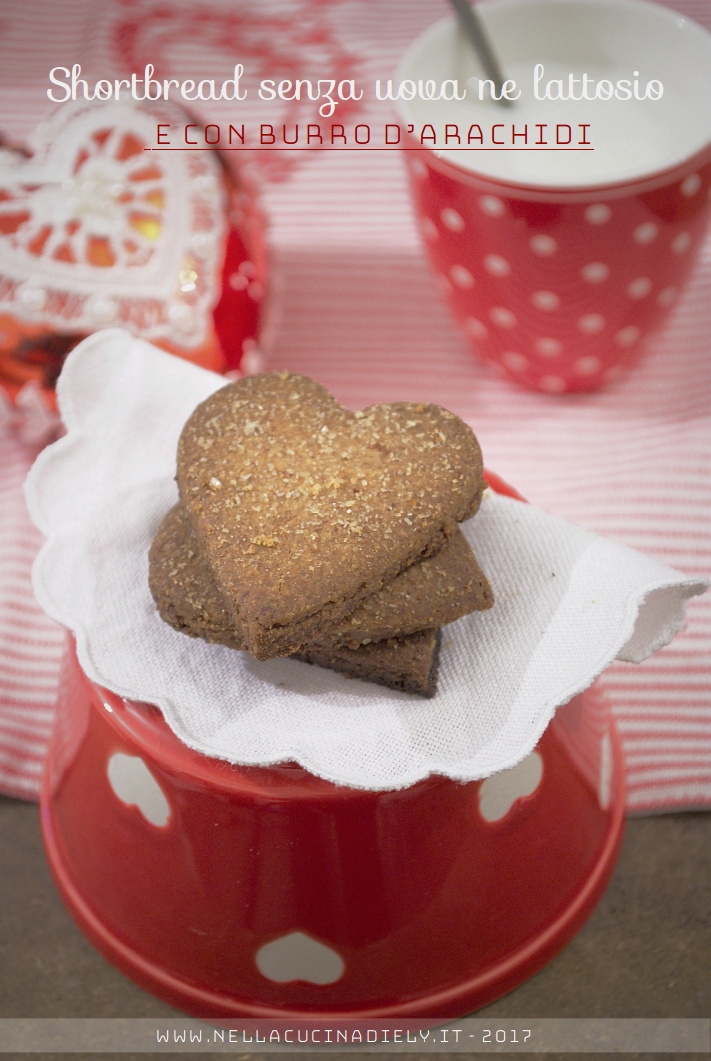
355,305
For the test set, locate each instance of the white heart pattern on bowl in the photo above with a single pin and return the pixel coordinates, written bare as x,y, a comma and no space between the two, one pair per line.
134,784
97,229
299,957
499,792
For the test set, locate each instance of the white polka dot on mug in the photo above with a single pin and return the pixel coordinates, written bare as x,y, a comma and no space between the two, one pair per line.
461,277
545,300
547,347
502,317
515,361
496,265
595,272
452,220
544,246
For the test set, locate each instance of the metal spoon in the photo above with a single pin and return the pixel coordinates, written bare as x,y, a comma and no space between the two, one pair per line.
475,31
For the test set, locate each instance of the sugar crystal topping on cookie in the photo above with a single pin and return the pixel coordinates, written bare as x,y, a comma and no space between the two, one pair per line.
301,505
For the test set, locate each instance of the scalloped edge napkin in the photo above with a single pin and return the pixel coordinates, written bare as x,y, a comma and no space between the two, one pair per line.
568,602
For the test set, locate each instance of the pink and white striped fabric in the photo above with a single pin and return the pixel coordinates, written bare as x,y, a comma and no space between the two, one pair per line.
30,642
355,305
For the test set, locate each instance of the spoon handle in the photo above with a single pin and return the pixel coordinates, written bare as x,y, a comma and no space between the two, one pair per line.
474,29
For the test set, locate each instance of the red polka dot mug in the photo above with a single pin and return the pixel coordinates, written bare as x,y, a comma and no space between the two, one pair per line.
559,263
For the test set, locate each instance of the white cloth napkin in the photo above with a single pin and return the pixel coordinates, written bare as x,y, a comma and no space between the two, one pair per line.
568,602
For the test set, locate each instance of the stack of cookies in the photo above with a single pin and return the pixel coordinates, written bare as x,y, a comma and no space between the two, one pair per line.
304,529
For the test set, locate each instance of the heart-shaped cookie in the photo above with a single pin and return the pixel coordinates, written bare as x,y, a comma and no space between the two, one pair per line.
404,657
424,596
408,664
187,599
303,509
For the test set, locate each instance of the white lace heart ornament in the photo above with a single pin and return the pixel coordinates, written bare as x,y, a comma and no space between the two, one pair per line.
97,229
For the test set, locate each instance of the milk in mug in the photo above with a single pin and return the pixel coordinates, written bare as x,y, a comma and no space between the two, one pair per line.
601,92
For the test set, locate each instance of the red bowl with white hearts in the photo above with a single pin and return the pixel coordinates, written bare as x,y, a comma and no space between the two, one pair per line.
271,893
560,258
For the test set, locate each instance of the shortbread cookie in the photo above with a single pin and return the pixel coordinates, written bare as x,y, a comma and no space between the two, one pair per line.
183,588
426,595
407,663
303,509
188,600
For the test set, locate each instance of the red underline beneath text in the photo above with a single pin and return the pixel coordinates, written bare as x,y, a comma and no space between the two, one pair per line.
328,147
